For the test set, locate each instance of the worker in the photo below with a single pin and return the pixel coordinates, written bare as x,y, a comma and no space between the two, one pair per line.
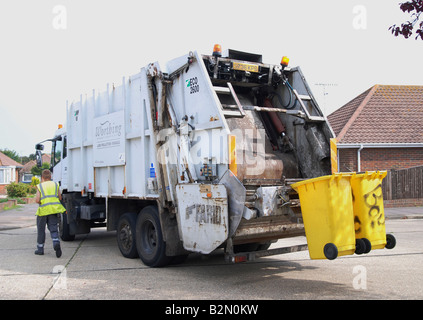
48,196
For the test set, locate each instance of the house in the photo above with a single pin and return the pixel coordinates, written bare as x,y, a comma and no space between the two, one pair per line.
381,129
9,172
25,173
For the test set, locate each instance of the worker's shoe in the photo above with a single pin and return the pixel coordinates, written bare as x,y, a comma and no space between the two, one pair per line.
40,250
58,250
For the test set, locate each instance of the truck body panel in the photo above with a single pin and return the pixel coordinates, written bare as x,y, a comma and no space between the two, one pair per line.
108,133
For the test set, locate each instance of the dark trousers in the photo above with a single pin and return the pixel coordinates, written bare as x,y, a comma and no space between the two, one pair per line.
51,221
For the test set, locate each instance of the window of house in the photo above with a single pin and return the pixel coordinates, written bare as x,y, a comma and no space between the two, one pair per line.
27,177
5,175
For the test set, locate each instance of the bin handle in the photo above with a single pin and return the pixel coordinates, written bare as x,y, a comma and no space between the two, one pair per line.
374,174
337,177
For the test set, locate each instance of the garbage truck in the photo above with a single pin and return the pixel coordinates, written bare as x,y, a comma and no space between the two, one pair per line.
193,155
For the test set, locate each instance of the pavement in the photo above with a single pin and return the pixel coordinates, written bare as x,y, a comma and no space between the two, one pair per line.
404,213
24,215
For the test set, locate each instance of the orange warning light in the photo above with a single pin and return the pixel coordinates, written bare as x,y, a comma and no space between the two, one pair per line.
285,61
217,50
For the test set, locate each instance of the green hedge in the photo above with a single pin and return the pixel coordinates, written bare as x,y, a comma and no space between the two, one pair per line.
18,190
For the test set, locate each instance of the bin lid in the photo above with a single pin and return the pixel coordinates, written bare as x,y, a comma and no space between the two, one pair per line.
337,175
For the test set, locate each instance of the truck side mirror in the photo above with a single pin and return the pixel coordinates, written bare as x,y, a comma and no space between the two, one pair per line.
39,158
39,147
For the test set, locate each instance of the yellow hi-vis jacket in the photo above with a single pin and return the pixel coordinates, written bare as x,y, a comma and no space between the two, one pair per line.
49,200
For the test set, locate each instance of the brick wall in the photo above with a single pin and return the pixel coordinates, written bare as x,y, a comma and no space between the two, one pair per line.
403,203
9,204
347,160
380,158
373,159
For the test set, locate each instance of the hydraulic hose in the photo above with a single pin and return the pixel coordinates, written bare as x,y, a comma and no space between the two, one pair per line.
290,89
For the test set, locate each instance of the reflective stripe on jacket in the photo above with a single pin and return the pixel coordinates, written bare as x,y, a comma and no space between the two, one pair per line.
49,200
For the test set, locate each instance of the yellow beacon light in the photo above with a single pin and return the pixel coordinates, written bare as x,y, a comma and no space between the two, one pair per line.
285,61
217,50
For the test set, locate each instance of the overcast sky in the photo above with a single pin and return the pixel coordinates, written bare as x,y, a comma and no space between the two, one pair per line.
46,59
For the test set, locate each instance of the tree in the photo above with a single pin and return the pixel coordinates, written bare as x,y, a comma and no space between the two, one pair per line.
415,7
12,154
26,159
37,171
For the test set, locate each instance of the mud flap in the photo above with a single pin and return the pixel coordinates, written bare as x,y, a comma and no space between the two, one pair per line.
202,216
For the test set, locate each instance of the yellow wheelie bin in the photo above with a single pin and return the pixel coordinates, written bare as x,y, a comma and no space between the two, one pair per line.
326,205
369,214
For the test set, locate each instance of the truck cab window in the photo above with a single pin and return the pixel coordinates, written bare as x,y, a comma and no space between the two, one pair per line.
64,147
56,152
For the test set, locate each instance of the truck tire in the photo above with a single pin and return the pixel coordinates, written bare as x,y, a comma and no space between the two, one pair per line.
64,229
150,245
125,235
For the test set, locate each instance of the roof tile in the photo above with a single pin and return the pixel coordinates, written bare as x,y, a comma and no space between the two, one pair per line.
390,114
7,161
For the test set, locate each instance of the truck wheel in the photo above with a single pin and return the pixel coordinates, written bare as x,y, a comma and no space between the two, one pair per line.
64,230
126,235
150,245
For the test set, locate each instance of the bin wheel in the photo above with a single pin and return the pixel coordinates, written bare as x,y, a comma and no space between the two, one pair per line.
390,241
330,251
360,246
368,245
